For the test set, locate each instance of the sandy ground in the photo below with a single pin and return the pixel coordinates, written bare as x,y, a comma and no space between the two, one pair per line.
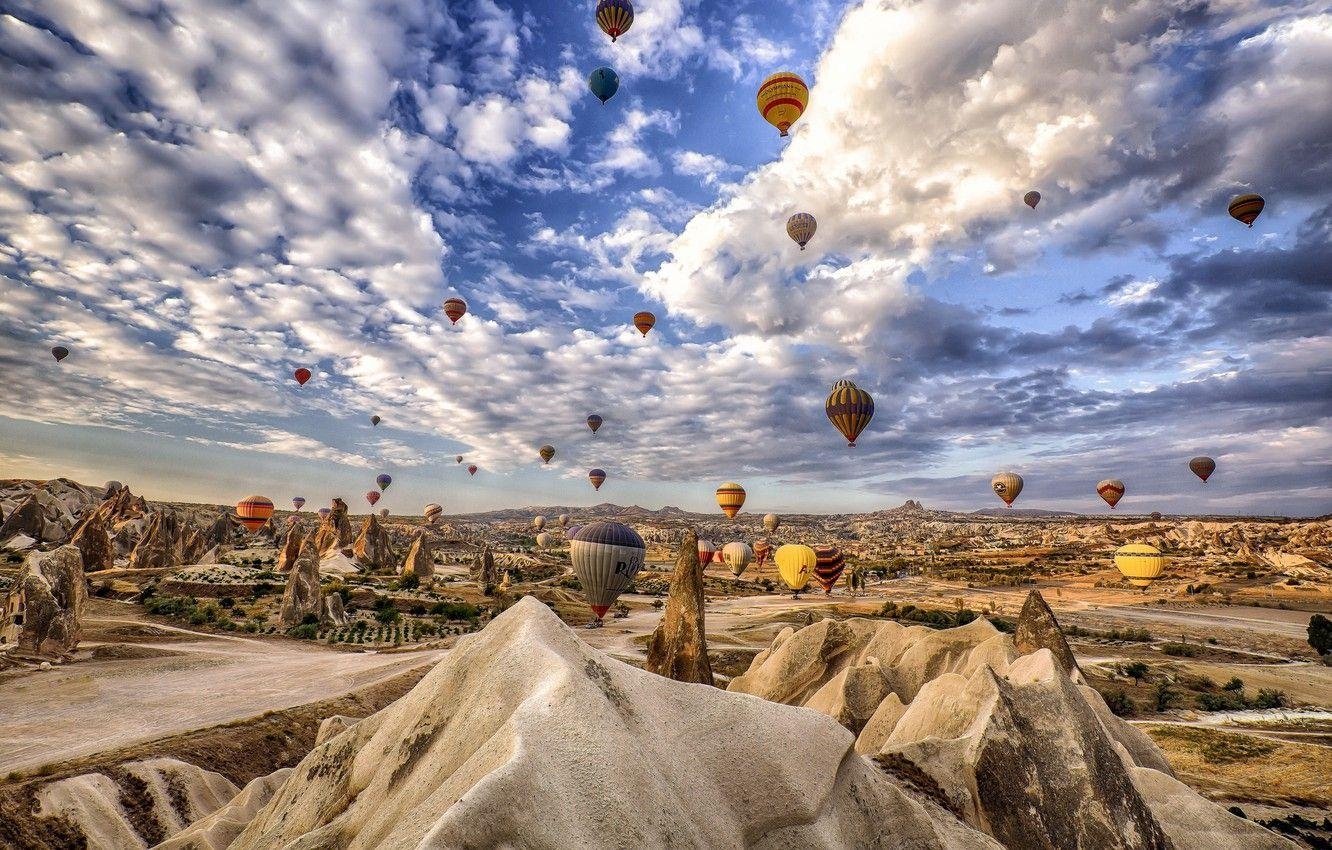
93,705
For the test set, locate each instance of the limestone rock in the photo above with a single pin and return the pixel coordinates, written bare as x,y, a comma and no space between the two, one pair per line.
220,531
46,603
420,560
219,829
303,595
93,540
291,548
331,727
26,519
1037,628
157,547
331,611
679,646
338,519
373,549
492,748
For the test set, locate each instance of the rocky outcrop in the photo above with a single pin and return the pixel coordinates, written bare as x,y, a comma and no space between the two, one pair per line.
1037,628
332,612
219,829
157,548
26,519
332,727
93,540
420,560
303,595
334,531
46,603
373,550
291,548
492,748
679,646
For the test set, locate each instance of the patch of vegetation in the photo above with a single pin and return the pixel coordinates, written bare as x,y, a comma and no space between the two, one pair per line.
455,610
1126,635
1119,702
1183,650
305,631
933,617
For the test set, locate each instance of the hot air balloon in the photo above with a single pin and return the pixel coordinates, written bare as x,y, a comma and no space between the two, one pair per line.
594,422
383,479
372,496
543,539
471,469
771,522
563,520
615,17
383,513
604,83
1203,467
59,352
1007,486
1112,490
828,566
596,476
538,522
1032,198
571,531
455,308
298,502
718,557
375,420
737,556
782,98
795,564
1156,515
302,375
458,458
432,513
547,452
705,551
1139,563
730,498
254,511
801,227
643,320
762,549
324,512
1246,208
606,556
849,409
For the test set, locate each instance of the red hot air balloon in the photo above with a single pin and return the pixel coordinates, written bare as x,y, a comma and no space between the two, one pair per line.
644,321
301,375
828,567
455,309
254,511
597,477
372,496
471,470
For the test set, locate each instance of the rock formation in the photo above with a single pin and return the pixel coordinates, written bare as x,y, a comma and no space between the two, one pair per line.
46,603
93,540
1038,629
157,548
471,757
420,560
331,611
303,595
341,524
26,519
679,646
291,548
373,549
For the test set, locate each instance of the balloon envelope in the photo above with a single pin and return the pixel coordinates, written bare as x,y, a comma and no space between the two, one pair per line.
730,498
800,227
538,522
302,375
849,409
1032,198
563,520
594,422
705,551
604,83
455,309
1203,467
432,513
546,452
606,556
737,556
458,458
1139,563
795,564
828,566
782,98
59,352
1007,486
323,512
1112,490
762,549
597,477
643,320
254,511
471,470
1246,208
375,420
771,522
544,539
383,479
615,17
372,496
298,502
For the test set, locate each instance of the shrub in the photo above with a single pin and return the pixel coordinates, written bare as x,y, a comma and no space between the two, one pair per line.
1164,695
1179,649
1320,634
1119,702
227,602
388,614
305,631
1235,684
409,582
1221,702
1270,698
454,610
1136,670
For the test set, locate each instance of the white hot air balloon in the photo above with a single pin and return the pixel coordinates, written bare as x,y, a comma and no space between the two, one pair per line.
543,540
606,556
737,556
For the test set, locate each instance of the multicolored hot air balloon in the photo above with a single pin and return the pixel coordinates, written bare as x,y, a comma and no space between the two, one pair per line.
643,320
59,352
800,227
795,564
1007,486
538,522
606,556
372,496
1112,490
571,531
597,477
782,99
737,556
615,17
547,452
1246,208
1032,198
455,308
383,479
254,511
1139,563
298,502
563,520
432,513
771,522
604,83
471,470
1203,467
301,375
730,498
594,422
828,566
849,409
705,551
324,512
544,540
762,549
375,420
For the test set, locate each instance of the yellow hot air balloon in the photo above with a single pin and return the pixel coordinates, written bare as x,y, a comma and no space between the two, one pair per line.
782,99
1007,486
730,498
546,452
849,409
800,227
1246,208
795,564
1139,563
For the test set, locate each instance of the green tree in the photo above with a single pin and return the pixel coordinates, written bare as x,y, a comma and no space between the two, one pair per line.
1164,695
1235,684
1320,634
1136,670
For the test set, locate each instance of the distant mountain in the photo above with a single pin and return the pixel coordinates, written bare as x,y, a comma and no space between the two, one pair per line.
1034,512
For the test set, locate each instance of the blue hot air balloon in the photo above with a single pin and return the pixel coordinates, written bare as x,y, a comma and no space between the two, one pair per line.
604,83
383,480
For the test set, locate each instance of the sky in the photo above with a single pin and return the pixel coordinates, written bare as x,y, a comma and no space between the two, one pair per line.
199,196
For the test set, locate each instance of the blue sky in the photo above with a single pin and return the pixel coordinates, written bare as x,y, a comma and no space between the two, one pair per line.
197,197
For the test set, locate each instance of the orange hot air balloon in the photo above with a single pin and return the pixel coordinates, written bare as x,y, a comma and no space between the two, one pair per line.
1245,208
597,477
849,409
1112,490
546,452
730,498
254,511
302,375
455,309
643,320
782,99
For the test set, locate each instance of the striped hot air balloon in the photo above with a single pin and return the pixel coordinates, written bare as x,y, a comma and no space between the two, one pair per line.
1203,467
1246,208
1112,490
594,422
644,321
298,502
1007,486
615,17
828,566
432,513
795,564
1139,563
800,227
718,557
849,409
547,452
571,531
705,551
597,477
606,556
1032,198
254,511
737,556
730,498
301,375
455,309
762,549
782,99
